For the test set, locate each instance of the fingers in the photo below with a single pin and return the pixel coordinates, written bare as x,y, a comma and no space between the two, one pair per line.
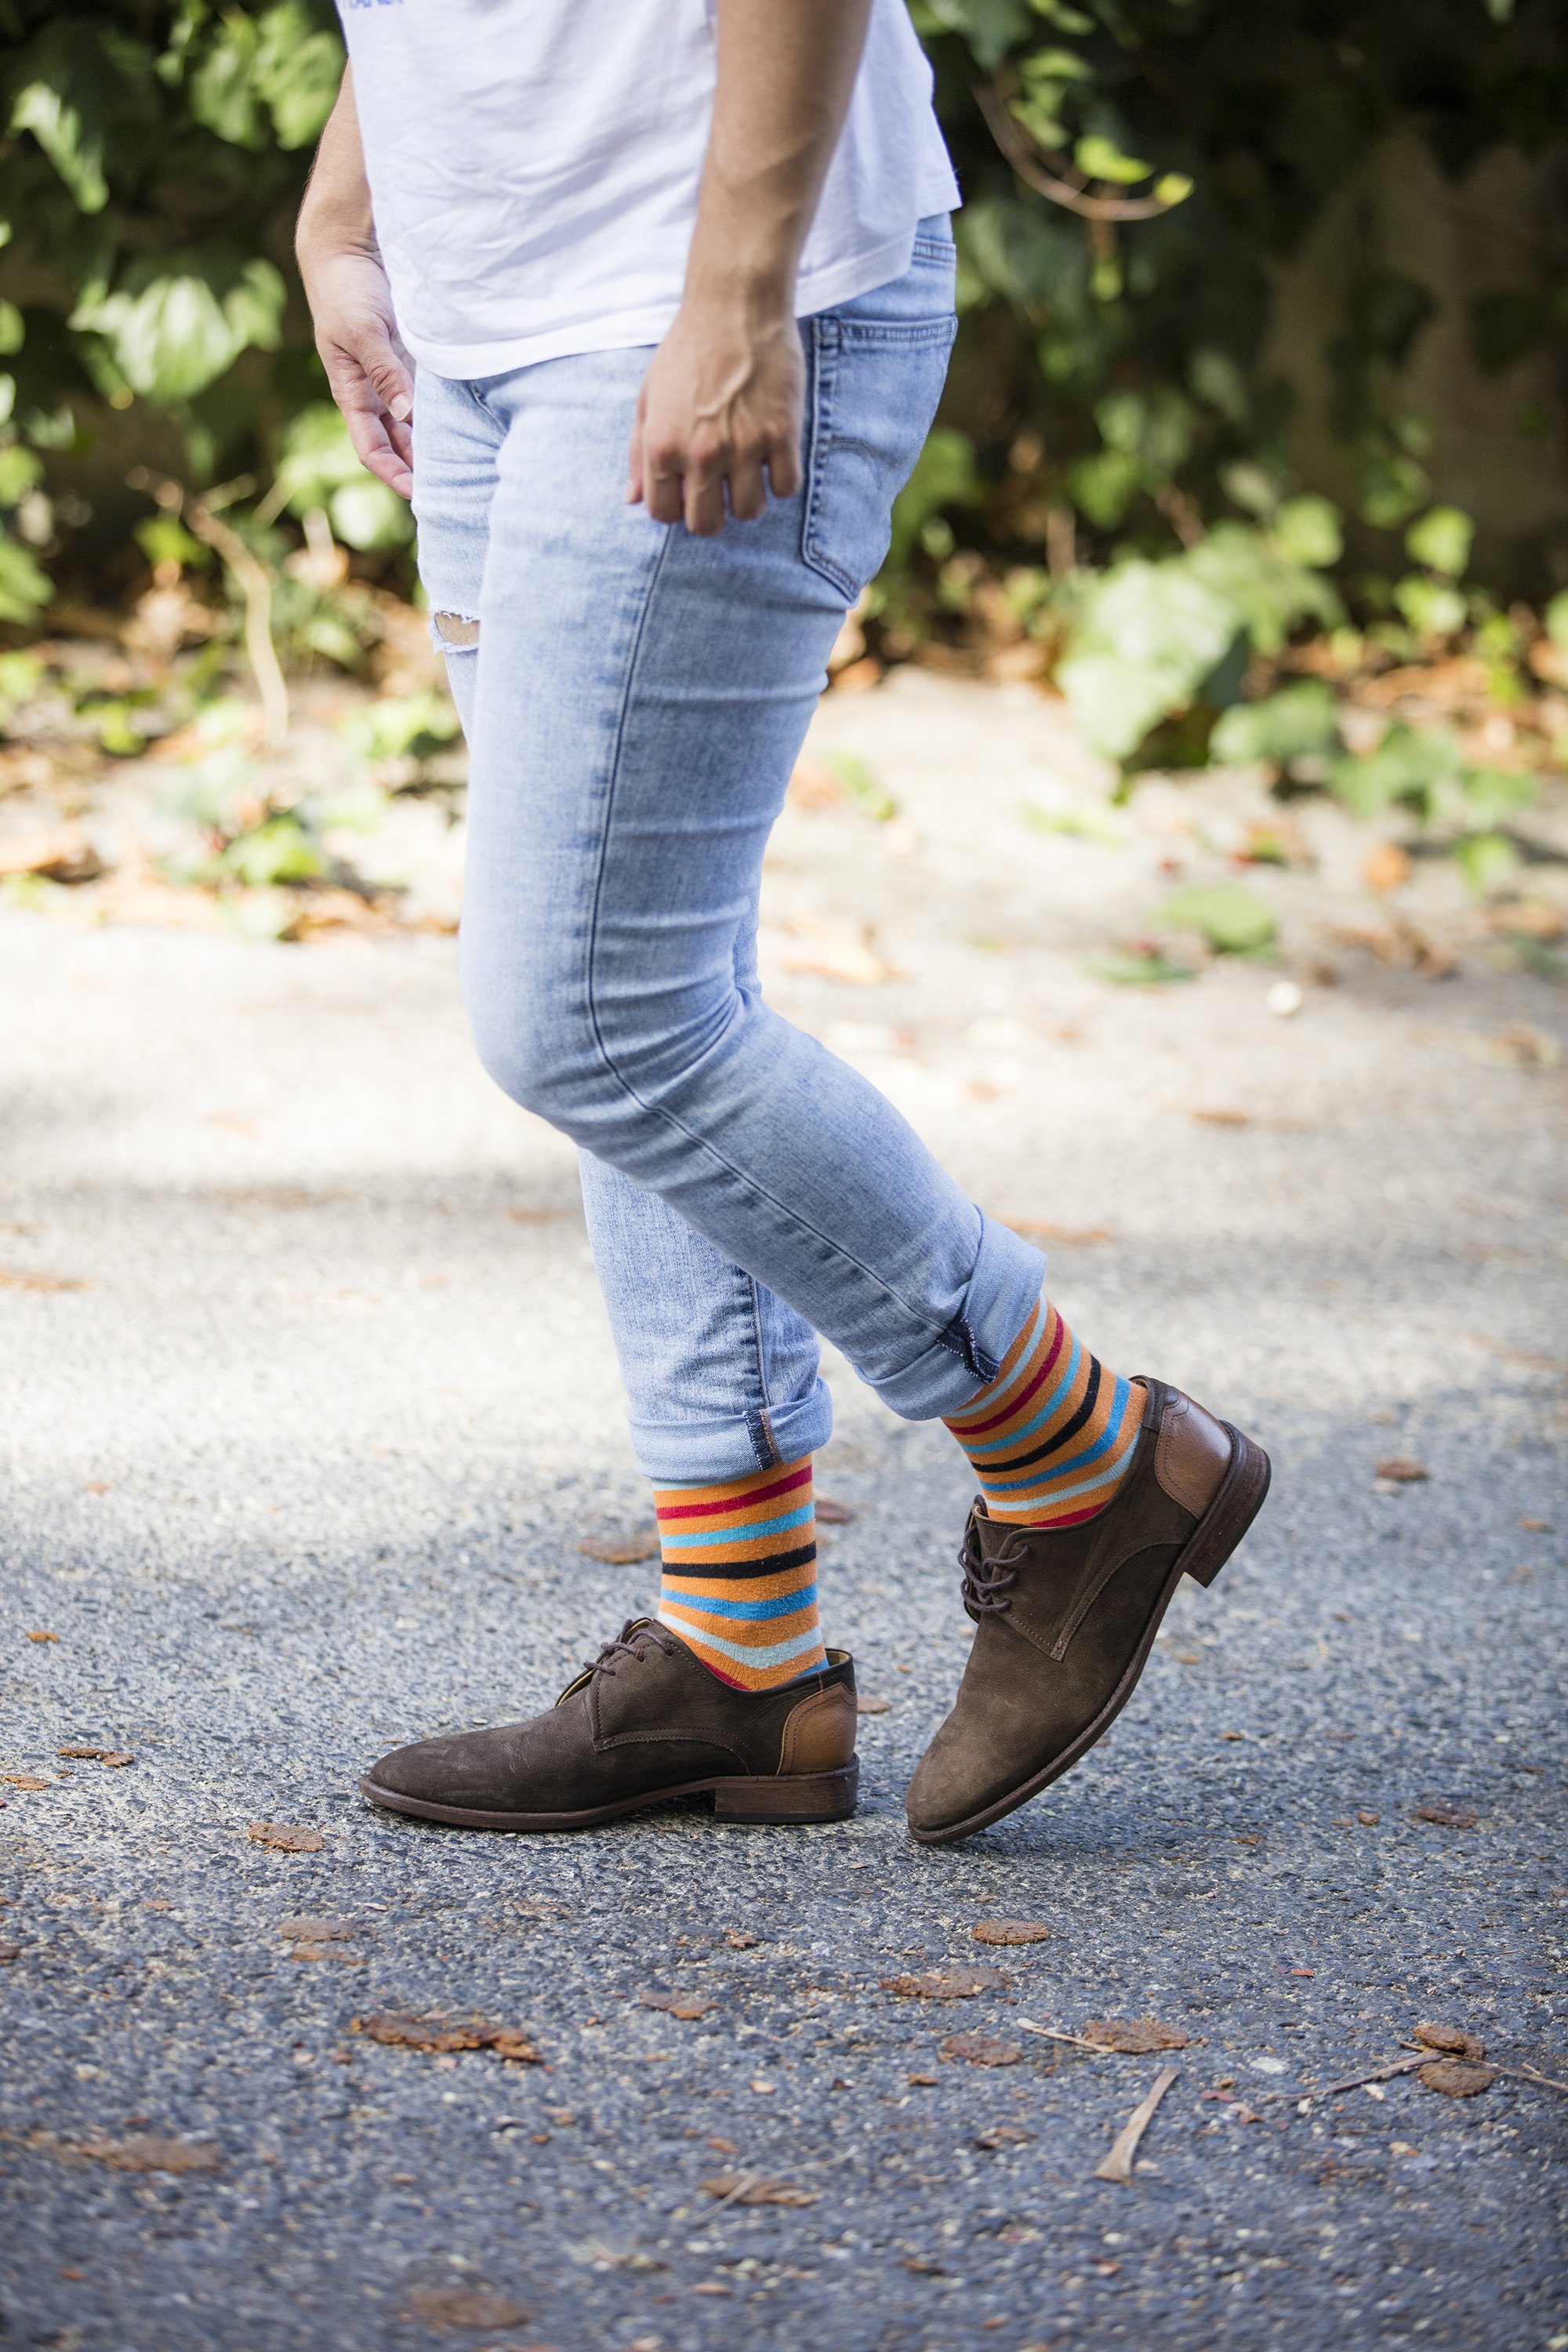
704,505
784,466
635,458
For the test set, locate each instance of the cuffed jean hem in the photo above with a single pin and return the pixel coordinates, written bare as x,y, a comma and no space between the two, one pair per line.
1008,1277
702,1452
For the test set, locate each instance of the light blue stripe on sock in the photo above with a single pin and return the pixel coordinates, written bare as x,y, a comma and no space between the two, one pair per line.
754,1612
1046,1473
683,1542
775,1653
1004,1444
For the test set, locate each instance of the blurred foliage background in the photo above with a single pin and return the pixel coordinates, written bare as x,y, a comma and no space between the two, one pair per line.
1260,396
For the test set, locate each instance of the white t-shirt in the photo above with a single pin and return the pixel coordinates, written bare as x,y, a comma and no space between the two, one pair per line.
534,166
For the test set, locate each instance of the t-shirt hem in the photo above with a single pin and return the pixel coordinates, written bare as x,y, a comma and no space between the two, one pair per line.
822,288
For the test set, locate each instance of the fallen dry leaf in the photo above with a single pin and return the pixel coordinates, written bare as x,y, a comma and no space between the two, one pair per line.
1451,2041
18,1277
284,1840
311,1928
835,1514
1135,2036
1447,1817
1003,2135
980,2049
1387,867
10,1952
924,2082
943,1984
739,1941
744,2189
1403,1469
624,1551
1368,1821
39,1637
440,2034
151,2154
675,2004
465,2306
114,1757
67,856
1009,1931
926,2264
1454,2077
26,1781
1526,1048
866,1704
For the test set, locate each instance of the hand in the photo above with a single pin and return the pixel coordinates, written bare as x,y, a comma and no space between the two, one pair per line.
370,373
722,405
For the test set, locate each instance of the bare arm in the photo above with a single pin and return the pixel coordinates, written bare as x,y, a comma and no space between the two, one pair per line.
723,399
371,374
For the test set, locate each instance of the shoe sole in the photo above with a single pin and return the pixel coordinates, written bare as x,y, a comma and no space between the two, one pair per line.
1240,1498
780,1799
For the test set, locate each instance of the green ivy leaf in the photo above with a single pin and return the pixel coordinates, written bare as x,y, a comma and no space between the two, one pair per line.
173,332
85,88
1298,722
1307,531
1441,539
23,589
1234,920
1099,158
1486,860
297,71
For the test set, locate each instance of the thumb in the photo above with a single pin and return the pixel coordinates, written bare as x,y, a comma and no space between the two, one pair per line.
393,380
385,365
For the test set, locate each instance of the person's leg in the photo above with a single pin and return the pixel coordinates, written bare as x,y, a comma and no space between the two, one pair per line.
642,694
723,1378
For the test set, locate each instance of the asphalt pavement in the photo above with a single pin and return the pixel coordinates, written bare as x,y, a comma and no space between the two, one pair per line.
306,1403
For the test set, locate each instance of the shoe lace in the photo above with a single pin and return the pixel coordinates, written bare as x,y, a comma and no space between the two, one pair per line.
987,1582
626,1646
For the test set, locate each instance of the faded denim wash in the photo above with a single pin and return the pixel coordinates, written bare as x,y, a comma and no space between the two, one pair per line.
635,698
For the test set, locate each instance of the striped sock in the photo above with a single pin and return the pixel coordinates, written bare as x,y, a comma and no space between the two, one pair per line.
740,1574
1051,1438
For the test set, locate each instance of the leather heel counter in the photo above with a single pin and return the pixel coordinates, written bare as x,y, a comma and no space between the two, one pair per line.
819,1733
1192,1453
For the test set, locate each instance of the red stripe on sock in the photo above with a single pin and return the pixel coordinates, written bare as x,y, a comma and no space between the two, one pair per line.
978,1428
735,1502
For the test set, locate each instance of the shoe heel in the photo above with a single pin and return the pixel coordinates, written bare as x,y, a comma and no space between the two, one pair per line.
1232,1512
790,1796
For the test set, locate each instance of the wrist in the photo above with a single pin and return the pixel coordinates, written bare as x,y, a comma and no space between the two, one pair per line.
758,301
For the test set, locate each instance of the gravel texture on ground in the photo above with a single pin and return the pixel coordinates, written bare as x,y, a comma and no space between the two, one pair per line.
306,1400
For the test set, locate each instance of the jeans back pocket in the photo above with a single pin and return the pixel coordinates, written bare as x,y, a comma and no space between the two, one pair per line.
875,385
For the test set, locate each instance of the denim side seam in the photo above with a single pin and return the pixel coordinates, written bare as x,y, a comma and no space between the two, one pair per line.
699,1142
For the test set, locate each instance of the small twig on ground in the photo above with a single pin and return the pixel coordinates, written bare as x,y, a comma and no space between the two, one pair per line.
1077,2040
1529,2074
1117,2164
1378,2074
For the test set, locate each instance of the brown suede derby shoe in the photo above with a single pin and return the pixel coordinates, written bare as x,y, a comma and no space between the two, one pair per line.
645,1721
1066,1619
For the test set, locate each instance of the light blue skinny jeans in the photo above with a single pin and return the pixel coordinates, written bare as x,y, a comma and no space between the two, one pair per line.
634,699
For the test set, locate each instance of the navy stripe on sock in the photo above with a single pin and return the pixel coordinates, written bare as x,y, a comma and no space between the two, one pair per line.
1064,1436
774,1565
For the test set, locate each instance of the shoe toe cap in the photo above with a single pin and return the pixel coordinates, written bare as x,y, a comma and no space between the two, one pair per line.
954,1780
467,1769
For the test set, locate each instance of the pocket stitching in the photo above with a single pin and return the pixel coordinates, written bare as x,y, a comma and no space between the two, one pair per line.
829,335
